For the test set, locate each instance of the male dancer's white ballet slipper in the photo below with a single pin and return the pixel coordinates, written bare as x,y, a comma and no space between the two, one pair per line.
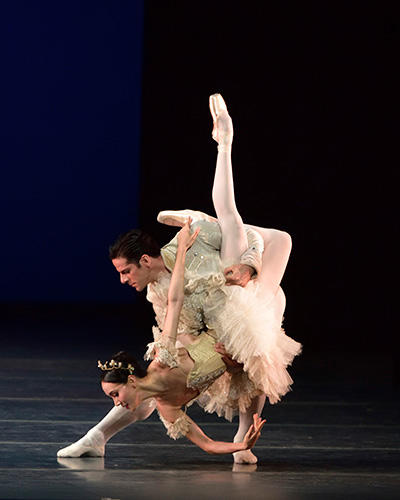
178,218
223,129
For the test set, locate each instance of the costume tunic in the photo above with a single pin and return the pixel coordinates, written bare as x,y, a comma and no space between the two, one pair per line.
208,367
249,327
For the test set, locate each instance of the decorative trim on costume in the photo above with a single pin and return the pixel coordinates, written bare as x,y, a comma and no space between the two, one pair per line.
202,382
208,364
160,352
179,428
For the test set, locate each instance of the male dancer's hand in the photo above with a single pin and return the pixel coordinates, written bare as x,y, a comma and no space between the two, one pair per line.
238,274
231,365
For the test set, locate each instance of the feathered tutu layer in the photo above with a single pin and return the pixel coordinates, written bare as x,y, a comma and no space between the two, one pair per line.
249,325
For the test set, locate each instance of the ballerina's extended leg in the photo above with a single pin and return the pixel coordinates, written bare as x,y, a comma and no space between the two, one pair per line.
234,239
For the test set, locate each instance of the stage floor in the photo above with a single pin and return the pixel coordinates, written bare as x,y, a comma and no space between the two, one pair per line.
325,440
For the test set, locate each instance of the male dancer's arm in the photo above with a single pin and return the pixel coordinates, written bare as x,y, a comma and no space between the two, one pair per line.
278,245
250,261
268,254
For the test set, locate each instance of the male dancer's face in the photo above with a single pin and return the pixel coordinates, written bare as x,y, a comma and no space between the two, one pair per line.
136,276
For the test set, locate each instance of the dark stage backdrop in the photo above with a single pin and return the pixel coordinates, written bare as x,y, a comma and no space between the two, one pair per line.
308,87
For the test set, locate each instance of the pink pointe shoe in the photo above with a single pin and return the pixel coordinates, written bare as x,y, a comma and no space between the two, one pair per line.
223,129
178,218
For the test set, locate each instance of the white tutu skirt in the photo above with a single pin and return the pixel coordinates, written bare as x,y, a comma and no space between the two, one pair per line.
250,327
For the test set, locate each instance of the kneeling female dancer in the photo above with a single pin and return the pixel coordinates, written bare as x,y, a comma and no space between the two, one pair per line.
171,378
246,320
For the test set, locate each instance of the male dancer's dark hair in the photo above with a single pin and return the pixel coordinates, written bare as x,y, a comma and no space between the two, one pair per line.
132,245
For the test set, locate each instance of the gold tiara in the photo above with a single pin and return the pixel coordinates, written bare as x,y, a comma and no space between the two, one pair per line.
115,365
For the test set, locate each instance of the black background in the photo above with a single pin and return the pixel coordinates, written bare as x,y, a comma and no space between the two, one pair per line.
311,92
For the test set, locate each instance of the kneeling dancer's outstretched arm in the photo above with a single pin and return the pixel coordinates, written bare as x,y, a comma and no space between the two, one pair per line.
193,432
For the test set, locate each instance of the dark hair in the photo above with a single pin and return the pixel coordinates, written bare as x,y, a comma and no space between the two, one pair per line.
120,375
132,245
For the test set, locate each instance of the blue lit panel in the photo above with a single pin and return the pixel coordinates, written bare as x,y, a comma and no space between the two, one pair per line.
71,93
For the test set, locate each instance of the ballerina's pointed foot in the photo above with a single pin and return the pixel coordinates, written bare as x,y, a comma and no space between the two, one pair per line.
88,446
178,218
223,128
244,457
